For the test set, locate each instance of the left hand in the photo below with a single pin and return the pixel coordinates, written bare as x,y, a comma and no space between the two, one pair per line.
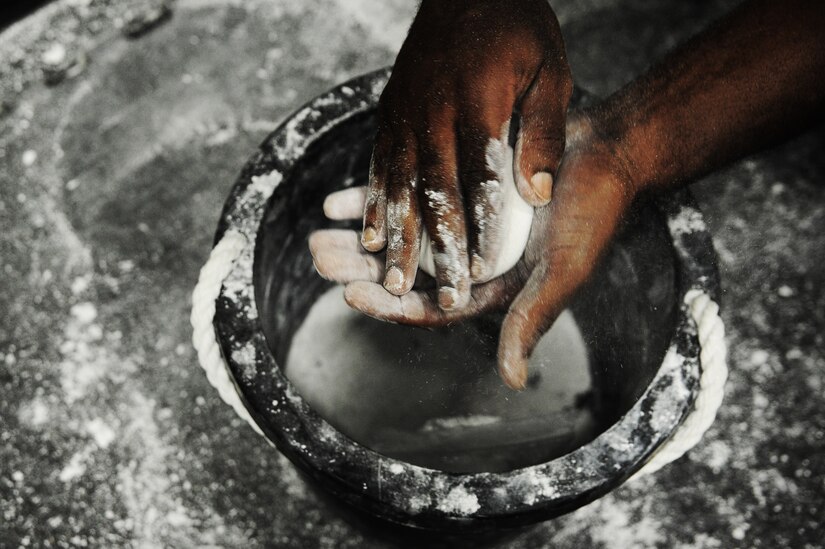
592,192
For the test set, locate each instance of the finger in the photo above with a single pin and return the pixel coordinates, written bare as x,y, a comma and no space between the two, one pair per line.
540,139
481,156
442,211
421,308
346,267
403,223
374,236
340,240
531,314
346,204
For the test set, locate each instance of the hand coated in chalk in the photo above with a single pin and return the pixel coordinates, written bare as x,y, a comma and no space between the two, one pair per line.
440,120
514,216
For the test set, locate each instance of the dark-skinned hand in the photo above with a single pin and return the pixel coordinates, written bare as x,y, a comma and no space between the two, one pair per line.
592,191
464,69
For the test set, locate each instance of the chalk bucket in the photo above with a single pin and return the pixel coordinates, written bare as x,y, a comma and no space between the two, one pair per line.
414,426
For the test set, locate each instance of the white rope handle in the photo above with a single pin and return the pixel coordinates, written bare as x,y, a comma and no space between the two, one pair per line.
705,312
206,292
713,361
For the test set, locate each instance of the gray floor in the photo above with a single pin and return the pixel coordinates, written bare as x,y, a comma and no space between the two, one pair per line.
111,181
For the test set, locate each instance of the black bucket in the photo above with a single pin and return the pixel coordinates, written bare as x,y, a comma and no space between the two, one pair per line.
424,434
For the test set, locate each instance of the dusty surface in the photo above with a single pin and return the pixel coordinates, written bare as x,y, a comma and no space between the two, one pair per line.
111,181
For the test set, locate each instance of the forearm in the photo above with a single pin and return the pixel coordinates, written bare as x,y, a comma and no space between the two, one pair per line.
754,78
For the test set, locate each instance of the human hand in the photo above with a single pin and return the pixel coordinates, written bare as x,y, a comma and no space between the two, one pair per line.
593,189
443,134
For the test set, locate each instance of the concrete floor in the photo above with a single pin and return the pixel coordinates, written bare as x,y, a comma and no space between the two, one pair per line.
111,180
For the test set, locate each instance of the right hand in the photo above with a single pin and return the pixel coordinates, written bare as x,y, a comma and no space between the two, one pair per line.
464,69
592,193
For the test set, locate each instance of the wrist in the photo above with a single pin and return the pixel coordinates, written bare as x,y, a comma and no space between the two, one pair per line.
638,140
588,133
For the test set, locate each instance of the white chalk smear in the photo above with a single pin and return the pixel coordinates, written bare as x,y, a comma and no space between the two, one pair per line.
515,217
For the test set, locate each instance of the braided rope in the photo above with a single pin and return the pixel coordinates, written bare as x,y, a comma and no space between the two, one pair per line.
712,358
206,292
703,310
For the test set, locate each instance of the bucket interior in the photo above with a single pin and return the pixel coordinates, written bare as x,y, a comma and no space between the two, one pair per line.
433,397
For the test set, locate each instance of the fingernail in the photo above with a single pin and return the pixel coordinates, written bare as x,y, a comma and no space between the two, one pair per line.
478,268
369,235
447,297
542,183
515,376
512,368
394,280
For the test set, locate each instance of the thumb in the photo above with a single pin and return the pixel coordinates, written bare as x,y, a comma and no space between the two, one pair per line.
540,140
531,314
